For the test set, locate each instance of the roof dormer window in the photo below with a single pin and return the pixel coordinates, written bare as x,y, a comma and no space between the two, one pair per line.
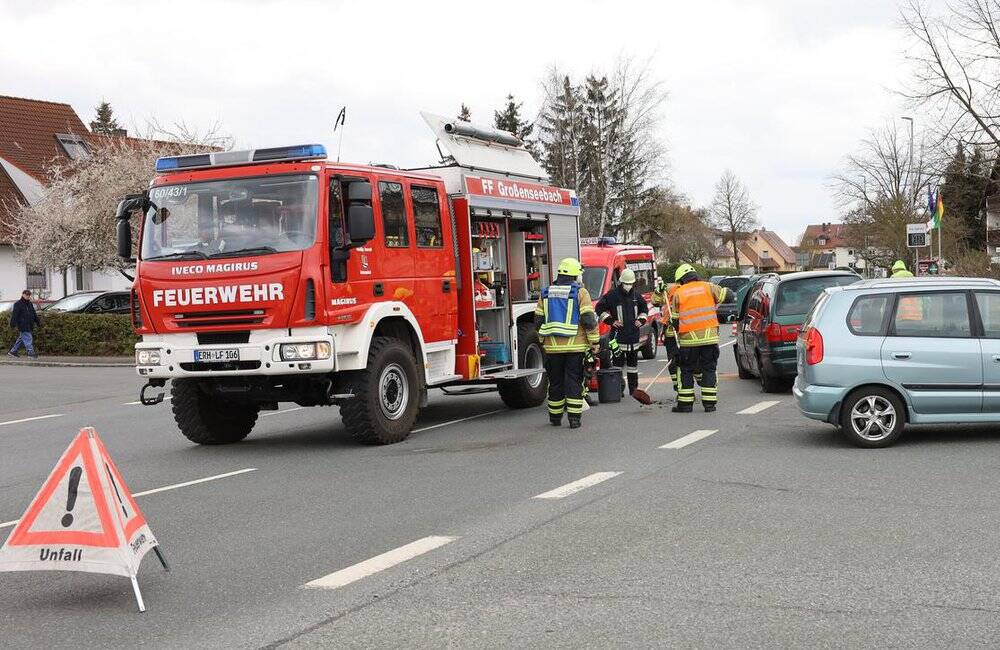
74,146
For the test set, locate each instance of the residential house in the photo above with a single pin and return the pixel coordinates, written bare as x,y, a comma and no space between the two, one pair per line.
829,248
759,251
33,135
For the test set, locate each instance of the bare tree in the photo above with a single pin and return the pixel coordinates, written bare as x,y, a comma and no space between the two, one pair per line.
72,224
881,190
732,211
956,74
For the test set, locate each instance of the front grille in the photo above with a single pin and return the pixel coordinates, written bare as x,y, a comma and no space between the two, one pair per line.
201,366
218,338
214,318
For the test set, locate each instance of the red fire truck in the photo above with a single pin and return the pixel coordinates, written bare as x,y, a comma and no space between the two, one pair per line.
275,275
603,260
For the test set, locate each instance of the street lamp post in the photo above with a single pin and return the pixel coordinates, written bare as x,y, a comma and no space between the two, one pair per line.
910,189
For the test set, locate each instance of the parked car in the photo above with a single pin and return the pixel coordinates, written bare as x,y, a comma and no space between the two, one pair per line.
727,311
879,354
769,322
92,302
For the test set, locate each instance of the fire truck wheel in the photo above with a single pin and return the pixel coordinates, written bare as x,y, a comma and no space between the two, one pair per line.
206,419
526,392
387,395
649,350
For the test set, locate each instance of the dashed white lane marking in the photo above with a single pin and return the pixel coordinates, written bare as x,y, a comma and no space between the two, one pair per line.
165,488
694,436
294,408
758,407
576,486
165,399
728,343
40,417
444,424
378,563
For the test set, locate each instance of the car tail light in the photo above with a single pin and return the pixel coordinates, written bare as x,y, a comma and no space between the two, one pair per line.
734,329
814,346
776,333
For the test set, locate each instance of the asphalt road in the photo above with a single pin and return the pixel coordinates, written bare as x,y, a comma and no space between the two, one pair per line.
769,531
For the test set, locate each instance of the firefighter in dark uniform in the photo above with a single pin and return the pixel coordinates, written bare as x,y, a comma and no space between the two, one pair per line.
567,325
626,311
693,308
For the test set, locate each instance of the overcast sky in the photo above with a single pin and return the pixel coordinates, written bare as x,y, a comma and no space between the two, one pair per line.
778,91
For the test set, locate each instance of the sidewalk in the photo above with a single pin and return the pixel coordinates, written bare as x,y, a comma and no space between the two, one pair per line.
93,362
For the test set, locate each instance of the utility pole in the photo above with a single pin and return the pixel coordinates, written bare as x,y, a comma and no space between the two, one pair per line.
910,194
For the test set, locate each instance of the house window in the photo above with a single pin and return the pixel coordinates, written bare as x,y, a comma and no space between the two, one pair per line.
850,252
821,241
37,280
74,146
765,255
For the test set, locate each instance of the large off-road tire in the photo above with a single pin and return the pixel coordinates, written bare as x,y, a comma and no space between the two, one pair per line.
872,417
740,368
649,350
526,392
208,419
386,394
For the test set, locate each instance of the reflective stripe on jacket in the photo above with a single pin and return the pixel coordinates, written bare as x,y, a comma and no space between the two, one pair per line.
694,307
558,338
663,299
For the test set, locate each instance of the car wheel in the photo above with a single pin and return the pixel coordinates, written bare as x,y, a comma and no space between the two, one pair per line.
740,369
768,383
873,417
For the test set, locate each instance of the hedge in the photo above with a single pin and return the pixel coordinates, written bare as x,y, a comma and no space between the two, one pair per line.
666,271
87,335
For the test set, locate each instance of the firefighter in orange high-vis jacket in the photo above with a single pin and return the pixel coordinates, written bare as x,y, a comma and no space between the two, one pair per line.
567,325
693,308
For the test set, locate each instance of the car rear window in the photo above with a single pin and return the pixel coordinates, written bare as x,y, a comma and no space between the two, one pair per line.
797,296
734,283
867,315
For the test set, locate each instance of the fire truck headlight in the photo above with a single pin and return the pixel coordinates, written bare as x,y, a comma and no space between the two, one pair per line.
304,351
147,357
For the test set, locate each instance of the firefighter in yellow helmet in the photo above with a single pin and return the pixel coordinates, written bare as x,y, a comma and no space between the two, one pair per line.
693,308
899,270
662,296
567,325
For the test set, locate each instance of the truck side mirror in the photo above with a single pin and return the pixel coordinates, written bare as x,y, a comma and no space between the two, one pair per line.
123,213
124,239
360,223
359,191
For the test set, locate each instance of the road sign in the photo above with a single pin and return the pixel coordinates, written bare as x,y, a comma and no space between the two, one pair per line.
916,235
930,266
83,519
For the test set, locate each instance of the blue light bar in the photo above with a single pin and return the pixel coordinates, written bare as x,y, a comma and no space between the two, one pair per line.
245,157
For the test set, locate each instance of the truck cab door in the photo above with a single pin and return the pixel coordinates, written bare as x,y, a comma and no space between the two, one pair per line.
435,283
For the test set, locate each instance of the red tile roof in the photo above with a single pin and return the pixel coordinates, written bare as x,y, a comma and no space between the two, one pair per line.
778,245
835,234
27,132
10,196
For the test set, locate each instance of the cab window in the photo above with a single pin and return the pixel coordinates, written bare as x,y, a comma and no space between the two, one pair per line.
426,216
393,215
938,315
644,276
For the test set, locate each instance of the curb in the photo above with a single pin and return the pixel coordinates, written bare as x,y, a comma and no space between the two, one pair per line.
67,364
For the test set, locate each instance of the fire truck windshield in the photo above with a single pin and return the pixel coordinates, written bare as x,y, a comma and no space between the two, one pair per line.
229,218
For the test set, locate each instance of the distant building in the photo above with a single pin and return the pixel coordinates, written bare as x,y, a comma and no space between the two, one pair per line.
826,246
759,251
33,135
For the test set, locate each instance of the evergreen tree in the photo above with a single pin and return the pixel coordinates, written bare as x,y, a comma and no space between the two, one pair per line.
962,191
464,113
509,120
106,124
560,129
602,149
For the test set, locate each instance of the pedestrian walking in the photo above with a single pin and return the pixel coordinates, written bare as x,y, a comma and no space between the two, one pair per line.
693,307
625,311
567,323
23,319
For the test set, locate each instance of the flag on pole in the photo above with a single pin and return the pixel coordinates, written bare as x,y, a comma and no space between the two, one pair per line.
938,211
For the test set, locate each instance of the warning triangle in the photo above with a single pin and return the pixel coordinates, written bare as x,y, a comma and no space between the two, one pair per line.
83,519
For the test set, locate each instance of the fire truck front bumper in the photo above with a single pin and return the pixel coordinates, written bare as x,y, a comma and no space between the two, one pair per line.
297,351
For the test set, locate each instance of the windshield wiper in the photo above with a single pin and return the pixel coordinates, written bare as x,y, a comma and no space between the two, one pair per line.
198,255
254,250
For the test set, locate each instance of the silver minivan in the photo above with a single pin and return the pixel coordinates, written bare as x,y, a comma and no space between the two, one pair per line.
879,354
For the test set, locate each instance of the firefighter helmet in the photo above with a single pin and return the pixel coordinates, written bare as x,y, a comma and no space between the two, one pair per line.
570,266
683,270
627,277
